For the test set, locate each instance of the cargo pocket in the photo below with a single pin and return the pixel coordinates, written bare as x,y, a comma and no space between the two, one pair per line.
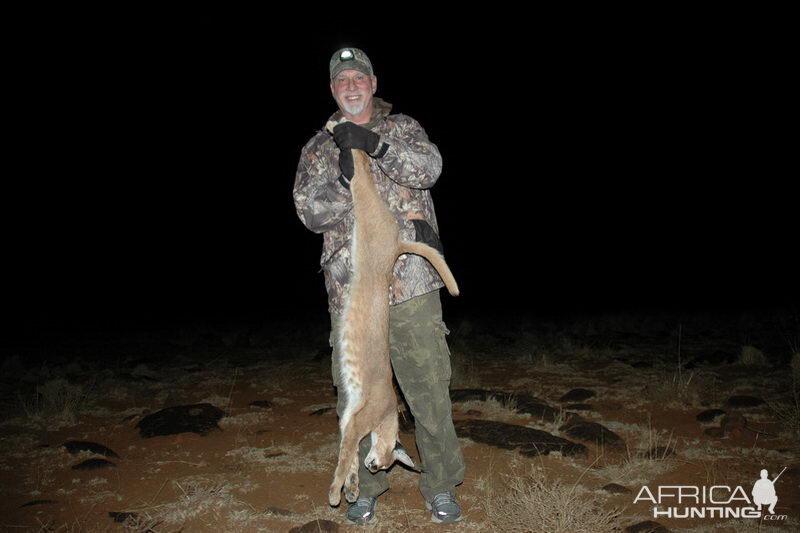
443,364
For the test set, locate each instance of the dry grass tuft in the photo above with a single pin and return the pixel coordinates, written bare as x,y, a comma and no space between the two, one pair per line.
648,454
679,390
494,408
751,356
144,524
532,504
198,497
554,426
56,403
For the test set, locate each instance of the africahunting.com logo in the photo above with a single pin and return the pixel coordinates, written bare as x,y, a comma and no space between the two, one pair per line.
716,501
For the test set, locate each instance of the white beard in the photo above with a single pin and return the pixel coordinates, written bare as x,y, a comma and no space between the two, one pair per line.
354,107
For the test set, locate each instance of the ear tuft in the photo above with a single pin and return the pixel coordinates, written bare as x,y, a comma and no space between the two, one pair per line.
332,124
401,455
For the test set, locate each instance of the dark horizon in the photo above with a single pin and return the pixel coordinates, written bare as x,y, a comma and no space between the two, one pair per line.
583,172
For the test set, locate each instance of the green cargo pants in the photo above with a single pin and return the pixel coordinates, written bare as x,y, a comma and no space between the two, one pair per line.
421,362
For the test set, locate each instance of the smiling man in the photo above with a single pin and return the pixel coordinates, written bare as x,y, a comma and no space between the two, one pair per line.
405,165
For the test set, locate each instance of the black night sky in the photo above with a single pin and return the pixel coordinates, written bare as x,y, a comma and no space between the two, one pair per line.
587,167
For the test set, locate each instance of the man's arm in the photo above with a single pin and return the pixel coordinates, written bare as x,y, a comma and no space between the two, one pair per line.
321,197
410,159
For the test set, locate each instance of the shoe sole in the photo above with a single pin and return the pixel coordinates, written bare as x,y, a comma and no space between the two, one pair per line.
445,521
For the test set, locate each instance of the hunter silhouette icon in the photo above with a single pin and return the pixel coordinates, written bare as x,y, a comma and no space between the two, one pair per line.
764,491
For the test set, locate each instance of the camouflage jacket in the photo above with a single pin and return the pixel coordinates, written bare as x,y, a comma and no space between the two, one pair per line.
403,177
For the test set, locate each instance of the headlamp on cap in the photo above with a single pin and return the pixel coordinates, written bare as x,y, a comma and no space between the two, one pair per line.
349,58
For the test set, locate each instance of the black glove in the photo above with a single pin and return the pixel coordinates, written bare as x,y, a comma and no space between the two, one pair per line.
348,135
425,234
347,168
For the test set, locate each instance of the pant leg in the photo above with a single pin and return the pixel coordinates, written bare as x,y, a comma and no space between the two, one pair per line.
421,363
369,484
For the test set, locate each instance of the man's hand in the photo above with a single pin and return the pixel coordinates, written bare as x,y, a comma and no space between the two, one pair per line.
348,135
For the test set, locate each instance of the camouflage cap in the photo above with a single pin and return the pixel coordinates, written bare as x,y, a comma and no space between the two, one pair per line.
350,58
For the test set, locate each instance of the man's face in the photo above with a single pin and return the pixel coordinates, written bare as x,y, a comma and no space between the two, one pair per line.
353,90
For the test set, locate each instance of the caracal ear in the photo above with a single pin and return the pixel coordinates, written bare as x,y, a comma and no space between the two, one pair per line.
333,123
401,455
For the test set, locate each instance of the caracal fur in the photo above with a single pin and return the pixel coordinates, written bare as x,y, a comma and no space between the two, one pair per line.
363,337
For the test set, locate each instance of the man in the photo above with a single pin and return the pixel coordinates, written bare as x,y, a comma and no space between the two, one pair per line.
405,165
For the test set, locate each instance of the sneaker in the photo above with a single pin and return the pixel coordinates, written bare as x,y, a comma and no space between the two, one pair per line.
361,512
444,509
